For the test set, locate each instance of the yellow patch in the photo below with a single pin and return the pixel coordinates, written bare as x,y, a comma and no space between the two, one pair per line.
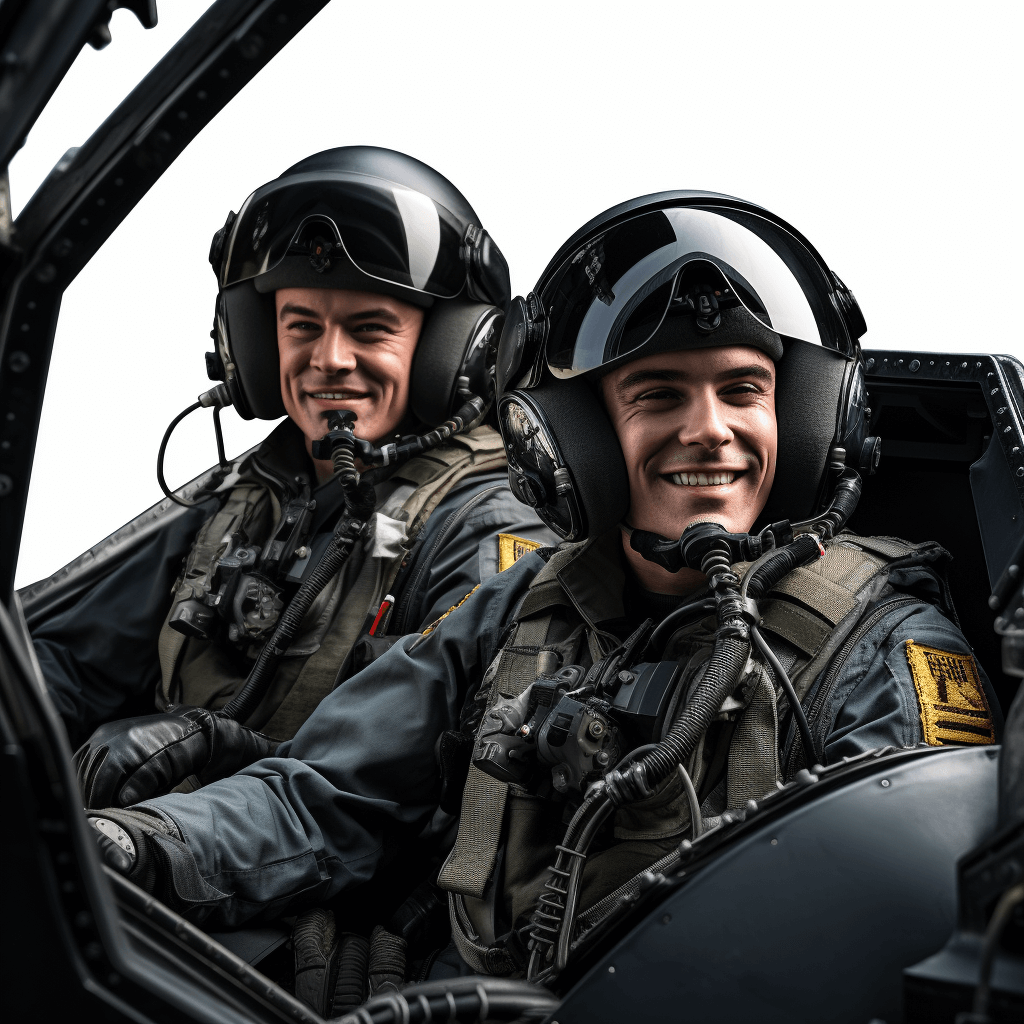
511,548
953,704
437,622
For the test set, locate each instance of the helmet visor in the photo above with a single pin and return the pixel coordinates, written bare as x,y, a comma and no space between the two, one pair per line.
611,297
389,232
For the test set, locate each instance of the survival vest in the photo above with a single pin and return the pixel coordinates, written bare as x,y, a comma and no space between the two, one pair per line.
205,674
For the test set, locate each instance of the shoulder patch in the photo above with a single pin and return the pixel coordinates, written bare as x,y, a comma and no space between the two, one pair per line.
437,622
954,708
511,548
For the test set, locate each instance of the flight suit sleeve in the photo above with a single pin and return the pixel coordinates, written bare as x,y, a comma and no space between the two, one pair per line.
463,547
359,777
101,650
913,678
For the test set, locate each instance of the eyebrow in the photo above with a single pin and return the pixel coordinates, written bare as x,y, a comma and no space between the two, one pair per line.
291,309
381,313
631,380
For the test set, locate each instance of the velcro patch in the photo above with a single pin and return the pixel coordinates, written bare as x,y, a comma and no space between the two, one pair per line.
954,708
511,548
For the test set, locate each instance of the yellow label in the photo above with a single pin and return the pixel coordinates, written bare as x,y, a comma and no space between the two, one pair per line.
511,548
437,622
953,704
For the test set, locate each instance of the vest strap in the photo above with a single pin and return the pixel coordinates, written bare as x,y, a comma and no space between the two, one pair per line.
470,864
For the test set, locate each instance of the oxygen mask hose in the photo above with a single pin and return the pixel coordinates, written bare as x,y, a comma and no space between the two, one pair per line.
469,414
340,442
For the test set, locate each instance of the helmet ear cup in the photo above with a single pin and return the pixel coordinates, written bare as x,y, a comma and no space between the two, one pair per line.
453,342
246,324
809,383
583,441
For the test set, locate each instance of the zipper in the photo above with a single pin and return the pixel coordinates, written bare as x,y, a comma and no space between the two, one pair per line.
829,684
424,558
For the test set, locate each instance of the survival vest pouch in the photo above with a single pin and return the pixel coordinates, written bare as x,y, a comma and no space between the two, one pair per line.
206,674
506,835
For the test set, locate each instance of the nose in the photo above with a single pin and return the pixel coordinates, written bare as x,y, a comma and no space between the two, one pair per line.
334,352
704,422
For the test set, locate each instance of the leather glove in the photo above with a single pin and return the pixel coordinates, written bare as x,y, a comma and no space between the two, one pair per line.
137,758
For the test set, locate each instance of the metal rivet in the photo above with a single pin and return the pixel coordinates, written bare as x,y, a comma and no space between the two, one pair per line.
25,327
6,485
1020,471
46,272
19,361
915,365
666,919
885,783
611,969
775,842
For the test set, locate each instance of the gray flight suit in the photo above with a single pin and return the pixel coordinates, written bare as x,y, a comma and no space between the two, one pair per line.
361,777
100,626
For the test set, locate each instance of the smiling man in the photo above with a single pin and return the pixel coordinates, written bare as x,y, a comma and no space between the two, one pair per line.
683,401
359,280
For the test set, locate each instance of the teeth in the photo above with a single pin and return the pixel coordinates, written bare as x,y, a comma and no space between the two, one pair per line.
702,479
328,394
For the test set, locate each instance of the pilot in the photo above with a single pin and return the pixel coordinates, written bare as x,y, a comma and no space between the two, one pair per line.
682,399
359,280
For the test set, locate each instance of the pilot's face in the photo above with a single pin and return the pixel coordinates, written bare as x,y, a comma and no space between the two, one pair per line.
344,349
698,433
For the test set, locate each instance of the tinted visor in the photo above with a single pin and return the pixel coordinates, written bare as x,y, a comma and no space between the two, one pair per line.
389,232
611,297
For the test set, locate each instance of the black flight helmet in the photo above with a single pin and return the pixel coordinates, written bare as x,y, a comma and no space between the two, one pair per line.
669,271
366,219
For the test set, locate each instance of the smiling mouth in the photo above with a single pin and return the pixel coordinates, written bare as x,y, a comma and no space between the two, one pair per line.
703,479
337,396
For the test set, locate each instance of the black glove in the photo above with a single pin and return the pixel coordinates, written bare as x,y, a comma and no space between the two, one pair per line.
137,758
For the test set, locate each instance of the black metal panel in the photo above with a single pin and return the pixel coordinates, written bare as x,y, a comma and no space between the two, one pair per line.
813,915
952,470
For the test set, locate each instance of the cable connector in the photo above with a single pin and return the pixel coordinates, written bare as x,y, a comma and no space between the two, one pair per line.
216,398
628,786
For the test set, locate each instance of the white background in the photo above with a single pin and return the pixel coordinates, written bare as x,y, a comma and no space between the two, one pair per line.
888,132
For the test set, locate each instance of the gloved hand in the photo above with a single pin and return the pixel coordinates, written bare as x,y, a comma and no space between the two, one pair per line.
137,758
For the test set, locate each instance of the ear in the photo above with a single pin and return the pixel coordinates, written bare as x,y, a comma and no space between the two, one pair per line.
247,323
